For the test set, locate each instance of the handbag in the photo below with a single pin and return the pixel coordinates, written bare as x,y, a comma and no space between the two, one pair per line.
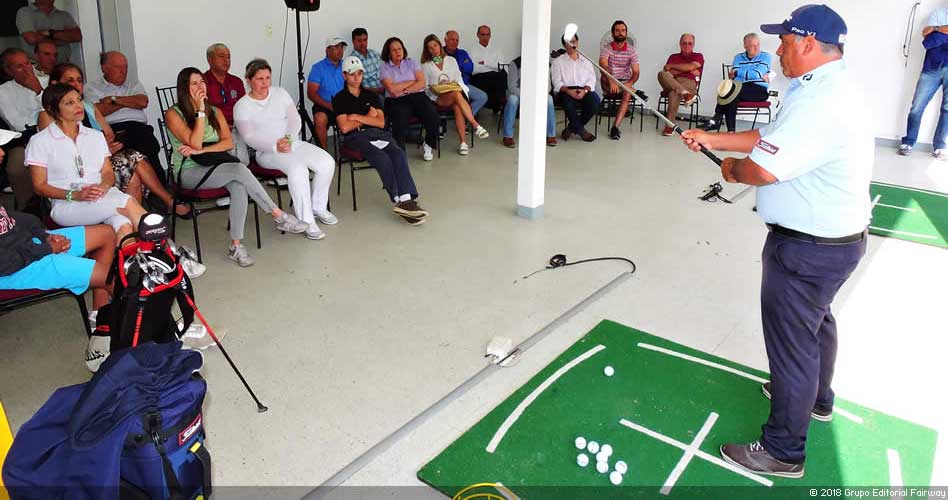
214,159
445,88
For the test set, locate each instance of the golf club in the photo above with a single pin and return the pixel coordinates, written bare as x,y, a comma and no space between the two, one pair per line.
570,31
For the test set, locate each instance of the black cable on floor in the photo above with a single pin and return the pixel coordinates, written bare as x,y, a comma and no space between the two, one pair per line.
559,260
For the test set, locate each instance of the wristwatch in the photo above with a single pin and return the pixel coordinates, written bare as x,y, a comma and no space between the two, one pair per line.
113,100
199,114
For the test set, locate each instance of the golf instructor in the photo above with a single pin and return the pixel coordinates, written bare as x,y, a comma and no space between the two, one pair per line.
813,165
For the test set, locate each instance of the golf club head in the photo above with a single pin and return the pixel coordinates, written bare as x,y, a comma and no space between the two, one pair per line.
172,246
569,32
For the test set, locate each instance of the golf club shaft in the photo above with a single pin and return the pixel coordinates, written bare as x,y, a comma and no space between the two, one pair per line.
645,105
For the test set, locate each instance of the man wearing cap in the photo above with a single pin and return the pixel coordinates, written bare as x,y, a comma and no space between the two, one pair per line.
934,76
813,165
325,80
361,121
746,82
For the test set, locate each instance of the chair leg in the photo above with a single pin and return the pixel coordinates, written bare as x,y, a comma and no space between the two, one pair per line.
84,313
279,196
197,236
352,178
756,113
256,223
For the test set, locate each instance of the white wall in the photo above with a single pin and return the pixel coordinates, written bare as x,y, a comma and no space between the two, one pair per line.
874,51
172,34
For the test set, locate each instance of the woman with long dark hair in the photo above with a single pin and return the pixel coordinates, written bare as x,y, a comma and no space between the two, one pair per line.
441,69
201,139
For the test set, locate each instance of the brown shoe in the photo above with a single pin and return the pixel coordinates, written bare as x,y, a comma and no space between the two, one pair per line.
567,133
509,142
414,221
409,208
668,132
551,141
587,136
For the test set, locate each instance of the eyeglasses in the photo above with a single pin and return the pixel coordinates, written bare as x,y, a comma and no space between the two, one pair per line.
79,167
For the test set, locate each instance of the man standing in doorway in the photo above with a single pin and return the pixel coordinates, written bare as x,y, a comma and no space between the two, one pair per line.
813,166
43,22
934,76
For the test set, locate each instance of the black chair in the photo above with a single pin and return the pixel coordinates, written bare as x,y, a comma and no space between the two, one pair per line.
194,197
693,112
355,160
167,97
15,299
756,108
609,108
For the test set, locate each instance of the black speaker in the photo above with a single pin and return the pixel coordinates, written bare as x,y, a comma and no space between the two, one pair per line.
302,5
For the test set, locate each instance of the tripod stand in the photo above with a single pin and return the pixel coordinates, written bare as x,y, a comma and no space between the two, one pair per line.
301,104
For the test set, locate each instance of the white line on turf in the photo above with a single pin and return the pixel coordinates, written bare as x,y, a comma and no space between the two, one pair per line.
843,413
700,454
875,201
689,454
897,208
512,418
905,233
505,491
895,469
694,359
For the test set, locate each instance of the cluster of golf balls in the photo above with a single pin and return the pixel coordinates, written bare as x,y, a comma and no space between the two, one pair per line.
603,454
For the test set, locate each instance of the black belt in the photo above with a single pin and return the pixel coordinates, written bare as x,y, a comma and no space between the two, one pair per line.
819,240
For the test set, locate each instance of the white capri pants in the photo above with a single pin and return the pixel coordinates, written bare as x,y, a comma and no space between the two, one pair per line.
86,213
307,197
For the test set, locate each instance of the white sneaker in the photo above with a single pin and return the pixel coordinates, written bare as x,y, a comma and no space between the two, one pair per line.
238,253
197,337
290,224
326,217
223,202
481,132
429,153
939,154
313,232
92,319
464,149
905,149
8,190
97,352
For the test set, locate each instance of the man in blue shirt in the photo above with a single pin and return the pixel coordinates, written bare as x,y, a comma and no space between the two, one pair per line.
324,82
934,75
750,76
813,166
466,64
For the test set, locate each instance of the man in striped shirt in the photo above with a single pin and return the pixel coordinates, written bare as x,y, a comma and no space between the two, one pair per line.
622,61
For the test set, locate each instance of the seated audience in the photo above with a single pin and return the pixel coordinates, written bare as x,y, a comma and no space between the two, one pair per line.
268,119
478,97
752,69
440,70
199,129
44,59
223,92
487,73
69,164
404,83
362,122
622,61
679,77
134,175
574,80
325,79
122,102
20,103
370,61
513,104
43,22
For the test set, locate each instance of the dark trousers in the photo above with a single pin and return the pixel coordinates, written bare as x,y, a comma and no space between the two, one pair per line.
800,280
494,84
141,137
391,162
576,119
749,93
401,109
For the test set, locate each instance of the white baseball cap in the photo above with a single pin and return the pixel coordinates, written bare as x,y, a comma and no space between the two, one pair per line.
335,40
352,64
7,136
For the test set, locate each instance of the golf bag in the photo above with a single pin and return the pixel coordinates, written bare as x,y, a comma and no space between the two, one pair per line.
148,280
134,432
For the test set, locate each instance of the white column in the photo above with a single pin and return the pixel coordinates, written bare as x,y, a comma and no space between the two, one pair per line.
534,87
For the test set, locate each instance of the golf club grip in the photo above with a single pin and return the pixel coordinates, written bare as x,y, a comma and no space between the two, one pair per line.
711,156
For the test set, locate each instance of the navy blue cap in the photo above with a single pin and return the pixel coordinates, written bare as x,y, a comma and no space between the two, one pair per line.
818,20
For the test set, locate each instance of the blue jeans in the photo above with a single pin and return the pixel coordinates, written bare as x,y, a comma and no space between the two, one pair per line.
478,98
928,84
510,115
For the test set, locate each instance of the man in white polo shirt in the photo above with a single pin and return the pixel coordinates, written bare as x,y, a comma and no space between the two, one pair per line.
487,73
813,166
19,106
123,101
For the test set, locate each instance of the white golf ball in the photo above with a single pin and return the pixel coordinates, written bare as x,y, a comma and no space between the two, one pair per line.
609,371
602,456
593,447
621,467
580,443
616,478
602,467
607,449
582,460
